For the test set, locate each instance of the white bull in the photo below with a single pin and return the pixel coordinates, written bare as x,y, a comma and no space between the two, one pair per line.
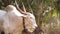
13,21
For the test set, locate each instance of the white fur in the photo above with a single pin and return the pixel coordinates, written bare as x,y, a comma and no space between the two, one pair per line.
2,13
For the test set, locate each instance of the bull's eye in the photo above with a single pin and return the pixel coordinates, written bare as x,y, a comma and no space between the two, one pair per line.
30,17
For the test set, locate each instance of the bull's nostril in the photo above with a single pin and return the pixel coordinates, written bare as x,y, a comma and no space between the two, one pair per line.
2,32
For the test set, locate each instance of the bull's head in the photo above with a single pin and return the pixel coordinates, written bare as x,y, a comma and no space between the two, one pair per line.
29,19
30,22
